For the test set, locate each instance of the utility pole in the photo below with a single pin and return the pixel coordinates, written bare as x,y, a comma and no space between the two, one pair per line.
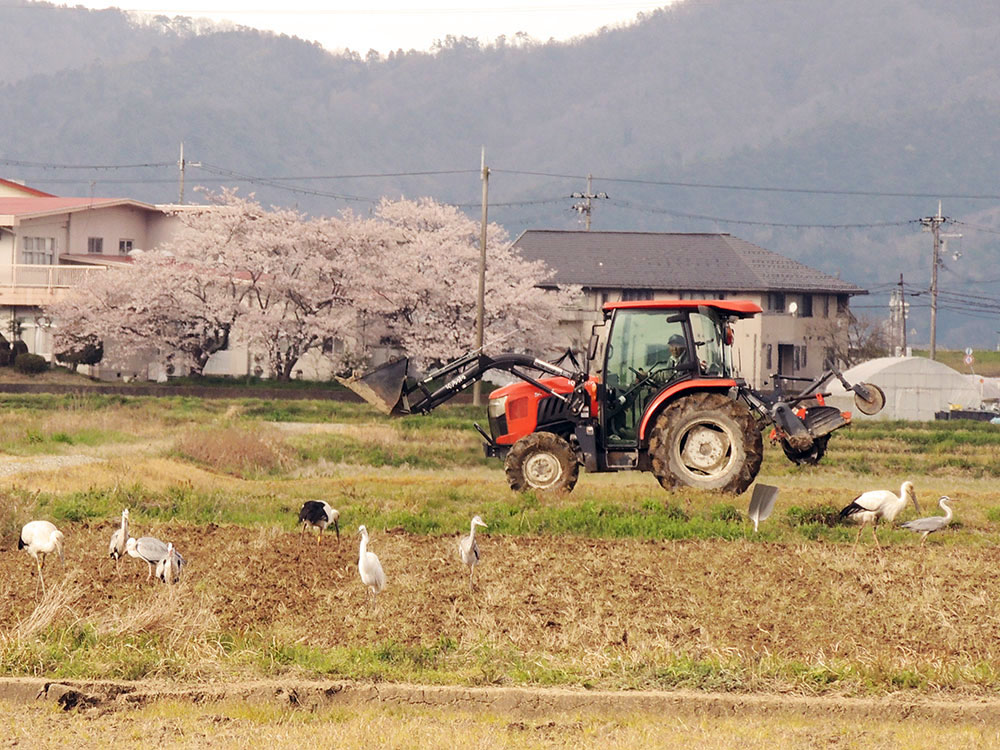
902,310
481,299
181,164
586,207
933,224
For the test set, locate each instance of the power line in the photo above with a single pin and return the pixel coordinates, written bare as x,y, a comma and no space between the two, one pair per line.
723,220
50,165
758,188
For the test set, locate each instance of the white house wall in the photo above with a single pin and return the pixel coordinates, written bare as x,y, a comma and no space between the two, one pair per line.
110,224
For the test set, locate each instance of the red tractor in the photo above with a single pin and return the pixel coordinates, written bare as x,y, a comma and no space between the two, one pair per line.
661,396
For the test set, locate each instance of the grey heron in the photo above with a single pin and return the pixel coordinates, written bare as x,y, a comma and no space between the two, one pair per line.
879,505
150,549
168,569
369,566
318,515
116,548
468,550
925,526
40,538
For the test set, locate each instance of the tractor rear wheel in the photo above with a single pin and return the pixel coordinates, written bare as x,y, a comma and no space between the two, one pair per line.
707,441
542,461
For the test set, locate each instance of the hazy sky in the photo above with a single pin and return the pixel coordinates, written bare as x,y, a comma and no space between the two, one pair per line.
387,25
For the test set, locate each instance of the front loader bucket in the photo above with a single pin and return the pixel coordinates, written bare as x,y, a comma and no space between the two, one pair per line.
382,387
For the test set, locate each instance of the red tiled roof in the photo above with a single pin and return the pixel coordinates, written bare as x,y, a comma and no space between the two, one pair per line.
25,188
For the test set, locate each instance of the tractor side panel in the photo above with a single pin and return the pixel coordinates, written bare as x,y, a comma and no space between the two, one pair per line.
528,408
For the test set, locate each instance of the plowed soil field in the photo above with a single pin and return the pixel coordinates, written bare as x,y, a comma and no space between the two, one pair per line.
591,608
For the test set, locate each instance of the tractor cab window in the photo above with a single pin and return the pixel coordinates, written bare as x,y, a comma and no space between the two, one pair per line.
643,354
708,344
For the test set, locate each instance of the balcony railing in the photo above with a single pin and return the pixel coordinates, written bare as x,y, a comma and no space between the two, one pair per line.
45,277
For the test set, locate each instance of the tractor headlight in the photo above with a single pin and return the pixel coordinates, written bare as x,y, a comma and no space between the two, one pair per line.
497,407
497,412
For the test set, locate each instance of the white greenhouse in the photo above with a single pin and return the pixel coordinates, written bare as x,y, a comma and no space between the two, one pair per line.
915,388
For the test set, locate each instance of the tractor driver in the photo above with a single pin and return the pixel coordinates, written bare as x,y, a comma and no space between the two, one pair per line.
665,370
678,351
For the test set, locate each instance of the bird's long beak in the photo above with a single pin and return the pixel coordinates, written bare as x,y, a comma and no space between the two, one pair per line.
336,527
915,504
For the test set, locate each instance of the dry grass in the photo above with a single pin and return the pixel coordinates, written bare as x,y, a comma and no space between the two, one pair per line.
236,451
233,725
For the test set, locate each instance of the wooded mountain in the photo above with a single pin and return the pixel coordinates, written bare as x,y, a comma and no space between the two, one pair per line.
888,106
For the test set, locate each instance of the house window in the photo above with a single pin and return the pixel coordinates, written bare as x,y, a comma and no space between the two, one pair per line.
804,358
842,300
636,294
806,308
124,247
776,301
39,251
826,305
95,245
769,358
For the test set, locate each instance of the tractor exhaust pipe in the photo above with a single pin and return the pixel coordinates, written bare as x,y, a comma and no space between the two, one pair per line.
382,387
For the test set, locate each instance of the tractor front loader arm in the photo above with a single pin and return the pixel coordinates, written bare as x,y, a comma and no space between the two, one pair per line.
392,391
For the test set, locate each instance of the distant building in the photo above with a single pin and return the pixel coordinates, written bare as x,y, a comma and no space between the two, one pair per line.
48,244
801,305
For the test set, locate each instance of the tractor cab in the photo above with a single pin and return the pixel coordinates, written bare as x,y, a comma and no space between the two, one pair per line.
645,351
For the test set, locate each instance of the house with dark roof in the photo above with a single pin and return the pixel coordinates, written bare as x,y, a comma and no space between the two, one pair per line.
802,306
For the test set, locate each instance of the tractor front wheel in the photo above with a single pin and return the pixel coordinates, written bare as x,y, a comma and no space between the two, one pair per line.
542,461
707,441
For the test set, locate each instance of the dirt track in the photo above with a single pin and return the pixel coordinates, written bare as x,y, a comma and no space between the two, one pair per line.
102,696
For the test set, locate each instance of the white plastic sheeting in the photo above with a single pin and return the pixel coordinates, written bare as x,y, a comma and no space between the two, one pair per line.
915,388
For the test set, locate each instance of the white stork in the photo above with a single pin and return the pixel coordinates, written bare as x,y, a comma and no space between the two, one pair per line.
40,538
879,505
318,515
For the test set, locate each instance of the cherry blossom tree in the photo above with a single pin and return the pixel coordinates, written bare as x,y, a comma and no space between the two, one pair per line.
405,277
157,303
285,273
419,274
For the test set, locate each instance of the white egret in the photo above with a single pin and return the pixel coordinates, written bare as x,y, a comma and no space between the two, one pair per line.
369,567
150,549
879,505
116,548
168,569
925,526
468,550
318,515
40,538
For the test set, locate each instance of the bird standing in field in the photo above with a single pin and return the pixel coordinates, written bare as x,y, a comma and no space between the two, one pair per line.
369,567
468,550
150,549
925,526
168,569
40,538
879,505
318,515
116,548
